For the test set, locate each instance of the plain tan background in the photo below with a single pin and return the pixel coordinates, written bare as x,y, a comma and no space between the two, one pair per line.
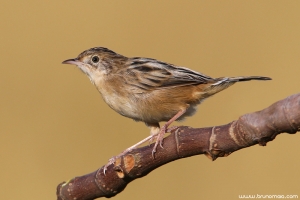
54,124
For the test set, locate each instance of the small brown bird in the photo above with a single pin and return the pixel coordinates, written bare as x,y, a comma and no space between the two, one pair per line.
149,90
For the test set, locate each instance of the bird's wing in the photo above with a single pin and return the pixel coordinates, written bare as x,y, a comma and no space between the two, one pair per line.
150,74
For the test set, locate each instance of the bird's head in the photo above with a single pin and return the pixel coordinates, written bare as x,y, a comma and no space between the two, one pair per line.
97,62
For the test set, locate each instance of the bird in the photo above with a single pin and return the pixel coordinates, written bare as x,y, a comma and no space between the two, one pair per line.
149,90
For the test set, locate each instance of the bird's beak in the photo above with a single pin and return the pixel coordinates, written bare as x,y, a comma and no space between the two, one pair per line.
72,61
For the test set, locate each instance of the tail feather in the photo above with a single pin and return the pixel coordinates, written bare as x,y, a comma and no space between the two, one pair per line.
225,82
248,78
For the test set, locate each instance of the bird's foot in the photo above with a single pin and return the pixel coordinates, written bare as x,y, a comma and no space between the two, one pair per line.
110,161
114,158
173,128
160,137
153,138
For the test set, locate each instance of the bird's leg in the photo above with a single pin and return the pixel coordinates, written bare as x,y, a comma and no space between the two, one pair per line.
137,144
165,129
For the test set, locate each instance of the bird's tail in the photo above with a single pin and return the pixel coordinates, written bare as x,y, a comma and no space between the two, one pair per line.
246,78
225,82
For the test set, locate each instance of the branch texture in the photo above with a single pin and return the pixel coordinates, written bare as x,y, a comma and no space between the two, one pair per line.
218,141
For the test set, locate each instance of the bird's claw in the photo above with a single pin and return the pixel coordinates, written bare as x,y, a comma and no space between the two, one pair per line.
110,161
159,140
153,152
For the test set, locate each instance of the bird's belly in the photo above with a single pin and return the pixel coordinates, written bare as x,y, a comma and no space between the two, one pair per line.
150,107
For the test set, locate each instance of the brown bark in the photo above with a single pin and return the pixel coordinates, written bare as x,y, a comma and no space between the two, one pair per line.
218,141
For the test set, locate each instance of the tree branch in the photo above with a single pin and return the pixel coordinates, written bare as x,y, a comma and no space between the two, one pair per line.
218,141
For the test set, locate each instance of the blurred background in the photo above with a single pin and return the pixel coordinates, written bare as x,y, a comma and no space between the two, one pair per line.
55,126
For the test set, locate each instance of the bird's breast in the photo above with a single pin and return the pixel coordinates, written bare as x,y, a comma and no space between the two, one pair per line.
118,99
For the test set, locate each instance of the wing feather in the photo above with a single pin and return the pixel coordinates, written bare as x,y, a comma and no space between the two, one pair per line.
151,74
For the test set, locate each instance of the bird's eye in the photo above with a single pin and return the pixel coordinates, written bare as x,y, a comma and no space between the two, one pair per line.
95,59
